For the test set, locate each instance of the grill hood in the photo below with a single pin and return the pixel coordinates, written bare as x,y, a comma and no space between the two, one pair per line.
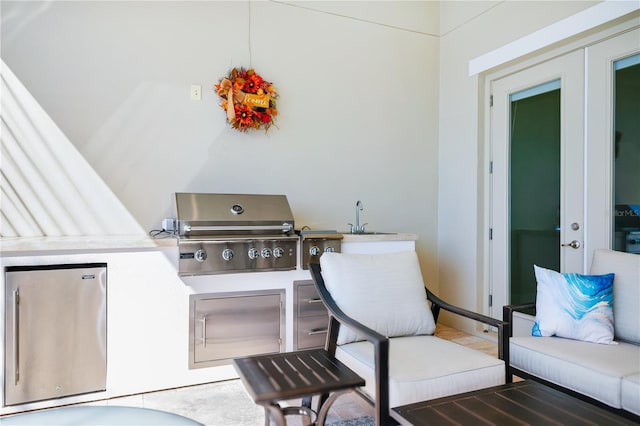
201,214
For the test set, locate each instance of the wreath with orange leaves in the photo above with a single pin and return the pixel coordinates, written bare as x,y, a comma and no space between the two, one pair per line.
248,99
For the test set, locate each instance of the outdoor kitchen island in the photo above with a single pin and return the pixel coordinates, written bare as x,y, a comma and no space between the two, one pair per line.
148,305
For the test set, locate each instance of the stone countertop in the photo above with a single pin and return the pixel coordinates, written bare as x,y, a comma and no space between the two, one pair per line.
348,238
24,245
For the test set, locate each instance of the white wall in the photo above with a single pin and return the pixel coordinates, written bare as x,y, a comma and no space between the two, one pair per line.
461,208
357,110
365,88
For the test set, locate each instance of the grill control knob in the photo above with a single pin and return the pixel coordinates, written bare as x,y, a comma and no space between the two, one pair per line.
266,253
329,249
227,254
253,253
278,252
200,255
314,251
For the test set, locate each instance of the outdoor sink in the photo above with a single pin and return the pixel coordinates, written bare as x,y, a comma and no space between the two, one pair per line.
357,229
369,233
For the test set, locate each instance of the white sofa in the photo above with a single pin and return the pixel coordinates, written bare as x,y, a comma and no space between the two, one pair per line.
607,374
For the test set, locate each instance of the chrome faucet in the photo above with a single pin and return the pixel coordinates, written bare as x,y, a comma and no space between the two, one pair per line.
357,228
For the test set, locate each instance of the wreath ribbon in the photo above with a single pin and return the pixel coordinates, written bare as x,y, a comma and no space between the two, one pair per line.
231,111
226,85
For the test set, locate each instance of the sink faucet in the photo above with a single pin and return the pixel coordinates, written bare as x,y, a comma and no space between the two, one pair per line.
357,228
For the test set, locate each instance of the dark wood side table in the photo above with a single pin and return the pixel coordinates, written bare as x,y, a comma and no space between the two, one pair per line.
272,378
519,403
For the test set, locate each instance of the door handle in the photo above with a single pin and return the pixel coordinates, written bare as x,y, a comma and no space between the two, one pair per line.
204,331
16,337
575,244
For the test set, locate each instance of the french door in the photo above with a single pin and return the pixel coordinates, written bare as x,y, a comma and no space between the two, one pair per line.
537,160
555,181
613,137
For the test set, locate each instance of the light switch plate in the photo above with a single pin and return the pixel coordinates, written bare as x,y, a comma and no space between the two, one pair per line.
196,92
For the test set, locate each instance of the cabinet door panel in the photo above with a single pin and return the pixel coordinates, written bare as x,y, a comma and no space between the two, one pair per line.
227,327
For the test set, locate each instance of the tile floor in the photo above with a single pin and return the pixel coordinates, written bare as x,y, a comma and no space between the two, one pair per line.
227,404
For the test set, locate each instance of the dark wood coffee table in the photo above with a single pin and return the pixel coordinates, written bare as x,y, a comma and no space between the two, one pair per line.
521,403
272,378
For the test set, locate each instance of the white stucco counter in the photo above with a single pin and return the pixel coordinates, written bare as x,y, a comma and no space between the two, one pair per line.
378,243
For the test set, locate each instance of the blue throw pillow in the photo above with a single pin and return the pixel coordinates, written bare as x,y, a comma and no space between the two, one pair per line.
574,306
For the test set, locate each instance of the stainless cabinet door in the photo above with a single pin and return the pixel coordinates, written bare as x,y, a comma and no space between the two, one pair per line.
55,332
226,326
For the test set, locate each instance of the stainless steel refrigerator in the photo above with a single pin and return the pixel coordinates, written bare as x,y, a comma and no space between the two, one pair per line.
55,331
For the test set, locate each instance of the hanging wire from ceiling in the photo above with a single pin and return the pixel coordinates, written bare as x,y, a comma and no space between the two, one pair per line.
249,30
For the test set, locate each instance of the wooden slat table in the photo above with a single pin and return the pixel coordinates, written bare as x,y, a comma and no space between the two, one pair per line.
272,378
520,403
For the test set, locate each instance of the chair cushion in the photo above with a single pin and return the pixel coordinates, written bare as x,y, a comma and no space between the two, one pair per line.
574,306
626,290
424,367
631,393
588,368
385,292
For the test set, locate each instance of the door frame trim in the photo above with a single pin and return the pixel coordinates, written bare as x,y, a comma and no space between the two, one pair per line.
572,26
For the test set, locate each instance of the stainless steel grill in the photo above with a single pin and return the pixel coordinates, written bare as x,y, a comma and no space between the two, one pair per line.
230,233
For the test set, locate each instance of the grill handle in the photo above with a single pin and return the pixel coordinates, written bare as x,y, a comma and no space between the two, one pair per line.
285,227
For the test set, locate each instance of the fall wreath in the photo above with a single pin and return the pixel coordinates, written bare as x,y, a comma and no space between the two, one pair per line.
248,99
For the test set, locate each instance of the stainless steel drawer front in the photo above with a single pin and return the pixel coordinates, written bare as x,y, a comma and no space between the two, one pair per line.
312,332
311,318
309,302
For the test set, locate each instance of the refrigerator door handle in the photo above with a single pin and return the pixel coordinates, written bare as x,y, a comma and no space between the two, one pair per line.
16,336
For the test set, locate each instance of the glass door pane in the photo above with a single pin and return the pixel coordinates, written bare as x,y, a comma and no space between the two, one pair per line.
534,186
626,163
536,176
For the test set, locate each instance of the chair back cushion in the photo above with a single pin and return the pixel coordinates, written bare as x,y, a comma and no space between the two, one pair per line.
385,292
626,290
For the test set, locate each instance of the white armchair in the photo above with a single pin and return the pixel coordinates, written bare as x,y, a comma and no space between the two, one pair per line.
389,318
